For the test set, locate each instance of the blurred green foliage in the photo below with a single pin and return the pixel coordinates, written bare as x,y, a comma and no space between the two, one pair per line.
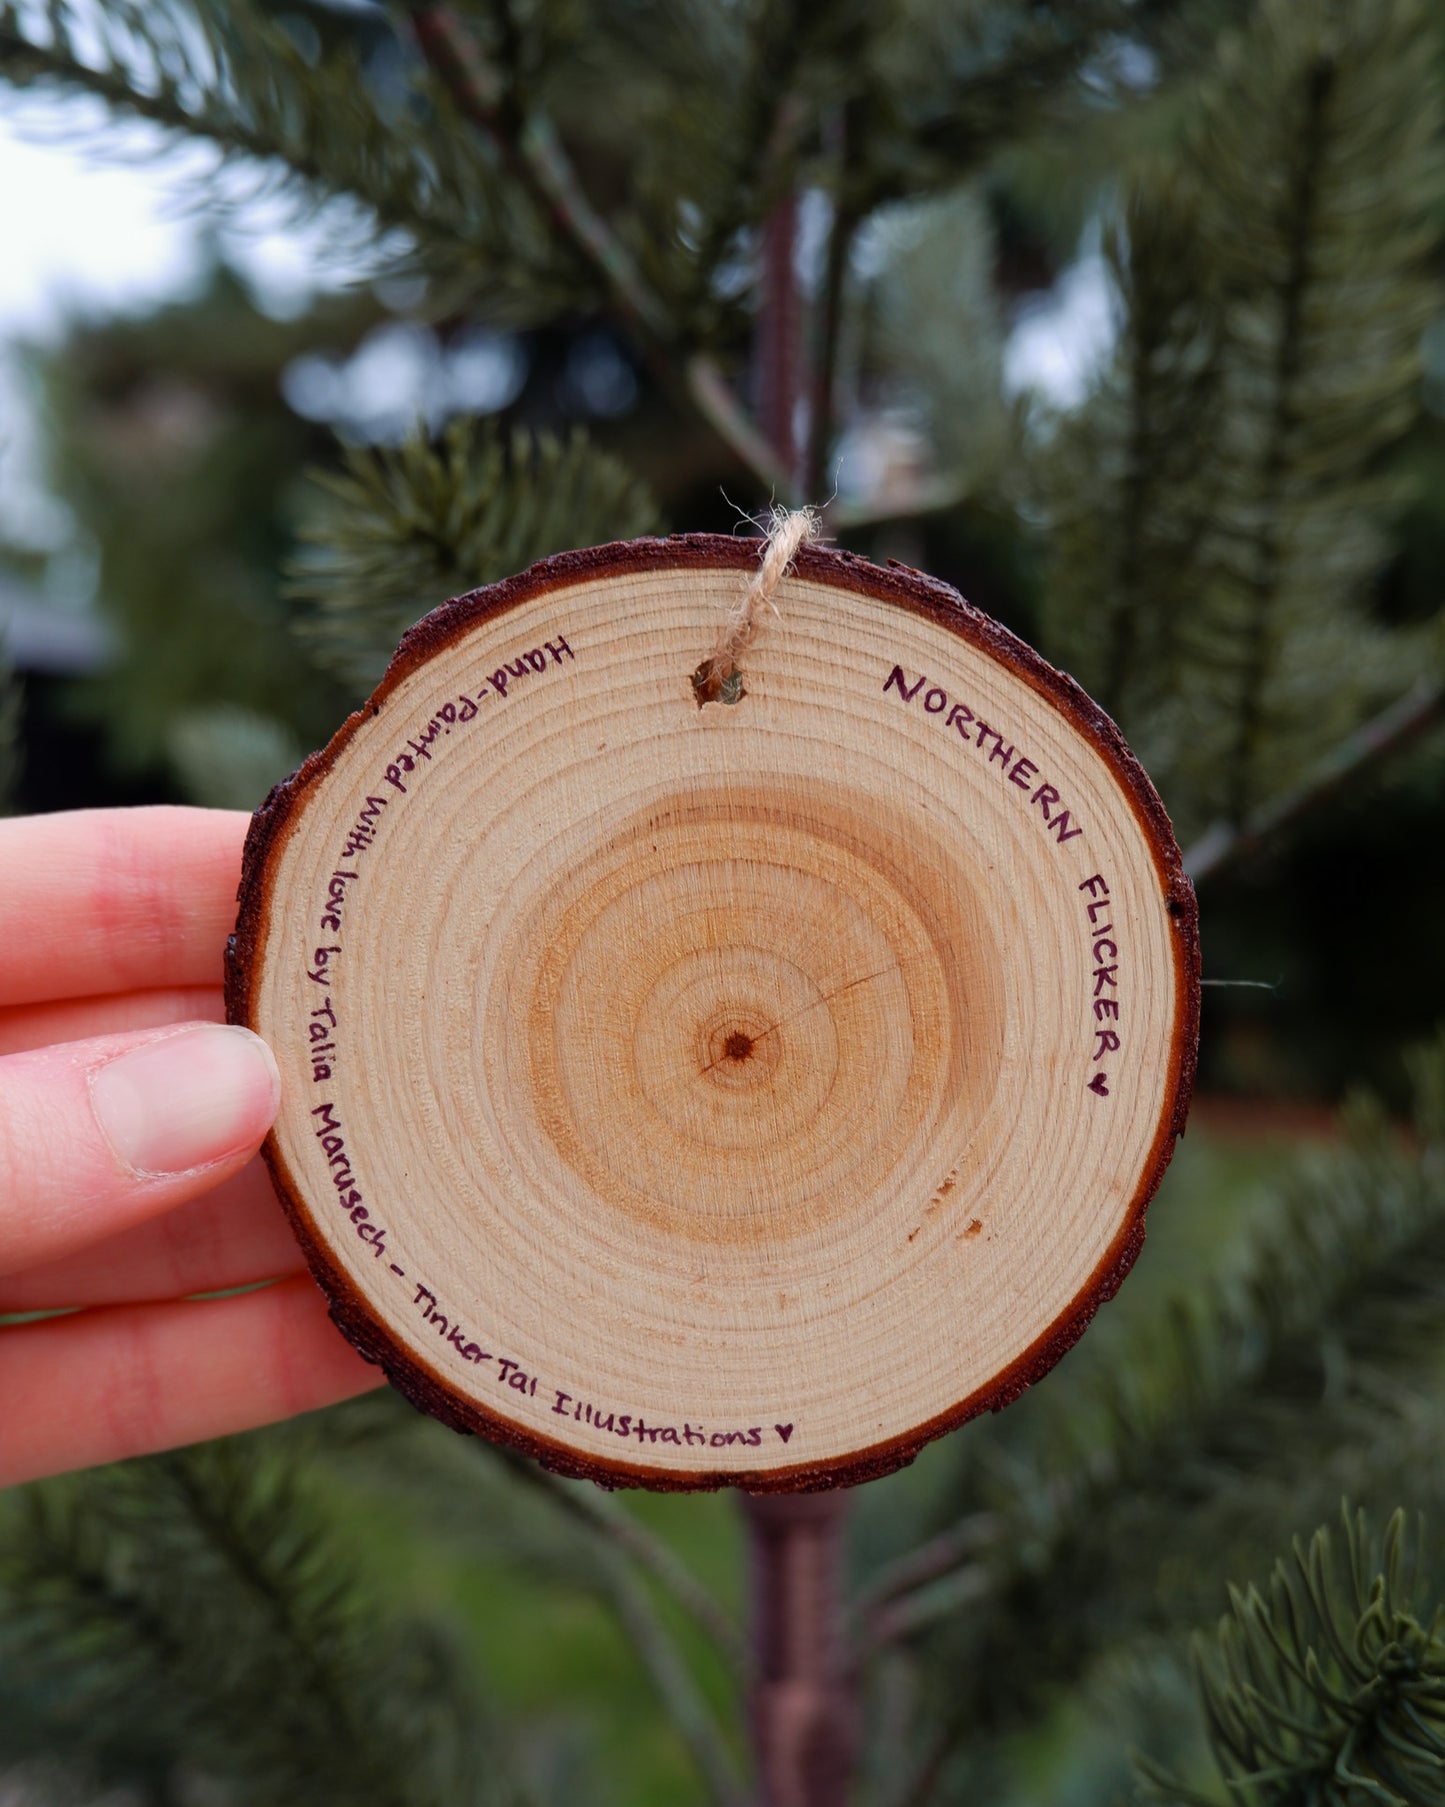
424,521
1337,1680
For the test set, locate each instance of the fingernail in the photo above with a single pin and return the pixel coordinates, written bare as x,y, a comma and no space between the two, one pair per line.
187,1100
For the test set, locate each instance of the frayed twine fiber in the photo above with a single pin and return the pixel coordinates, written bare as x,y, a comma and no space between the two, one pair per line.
718,679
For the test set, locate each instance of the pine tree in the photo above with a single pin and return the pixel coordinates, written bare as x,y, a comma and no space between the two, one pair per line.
799,239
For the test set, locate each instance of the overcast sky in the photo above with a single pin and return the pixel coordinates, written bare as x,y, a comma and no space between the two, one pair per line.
91,233
123,228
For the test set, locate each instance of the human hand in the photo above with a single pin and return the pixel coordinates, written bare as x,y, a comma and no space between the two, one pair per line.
130,1117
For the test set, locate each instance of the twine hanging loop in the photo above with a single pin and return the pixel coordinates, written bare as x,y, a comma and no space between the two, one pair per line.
719,678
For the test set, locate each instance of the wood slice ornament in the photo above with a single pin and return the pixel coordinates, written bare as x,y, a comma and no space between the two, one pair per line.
718,1093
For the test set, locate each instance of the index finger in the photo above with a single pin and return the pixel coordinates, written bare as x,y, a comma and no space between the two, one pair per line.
105,900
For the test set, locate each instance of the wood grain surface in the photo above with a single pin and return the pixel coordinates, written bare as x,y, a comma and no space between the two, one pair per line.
728,1094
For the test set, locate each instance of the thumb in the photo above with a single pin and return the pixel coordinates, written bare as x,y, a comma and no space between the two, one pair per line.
96,1136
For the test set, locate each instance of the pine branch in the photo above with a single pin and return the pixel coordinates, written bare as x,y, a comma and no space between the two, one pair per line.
841,237
933,336
537,157
1330,1691
245,1535
1299,231
484,1501
398,532
757,152
675,1687
1369,746
951,86
1319,162
193,1609
1161,399
1305,1369
943,1555
1218,505
536,153
608,1519
1123,485
230,75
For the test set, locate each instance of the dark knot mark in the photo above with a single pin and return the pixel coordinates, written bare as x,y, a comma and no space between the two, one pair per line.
738,1046
710,686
